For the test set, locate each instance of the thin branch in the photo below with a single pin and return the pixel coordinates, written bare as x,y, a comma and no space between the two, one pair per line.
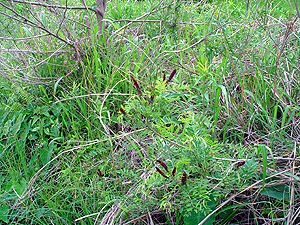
23,39
37,19
146,14
63,18
235,195
53,6
41,62
198,42
169,140
37,52
36,25
96,94
155,21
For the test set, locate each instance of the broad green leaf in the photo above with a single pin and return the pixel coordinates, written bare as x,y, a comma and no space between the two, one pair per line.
4,212
18,124
20,186
278,192
45,152
3,118
6,127
24,132
196,217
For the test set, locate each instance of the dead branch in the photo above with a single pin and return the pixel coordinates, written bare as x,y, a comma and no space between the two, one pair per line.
53,6
36,52
33,24
22,39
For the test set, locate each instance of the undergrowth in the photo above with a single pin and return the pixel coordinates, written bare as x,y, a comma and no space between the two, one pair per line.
189,115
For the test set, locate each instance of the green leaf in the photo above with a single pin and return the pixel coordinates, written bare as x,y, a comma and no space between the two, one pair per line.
94,5
45,152
265,162
4,210
32,137
216,107
43,90
40,212
224,60
6,127
18,124
138,151
292,175
3,118
279,192
24,133
56,84
20,186
229,211
45,111
224,92
250,167
54,131
56,110
43,17
197,217
284,116
27,31
7,186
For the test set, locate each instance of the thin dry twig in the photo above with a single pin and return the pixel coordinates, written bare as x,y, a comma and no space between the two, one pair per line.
35,65
88,95
22,39
35,52
292,188
235,195
198,42
33,24
52,6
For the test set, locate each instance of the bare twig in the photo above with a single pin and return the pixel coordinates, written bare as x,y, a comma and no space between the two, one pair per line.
63,18
154,21
33,24
235,195
36,52
145,15
52,6
35,65
198,42
88,95
290,214
22,39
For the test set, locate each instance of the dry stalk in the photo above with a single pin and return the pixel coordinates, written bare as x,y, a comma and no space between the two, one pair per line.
235,195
